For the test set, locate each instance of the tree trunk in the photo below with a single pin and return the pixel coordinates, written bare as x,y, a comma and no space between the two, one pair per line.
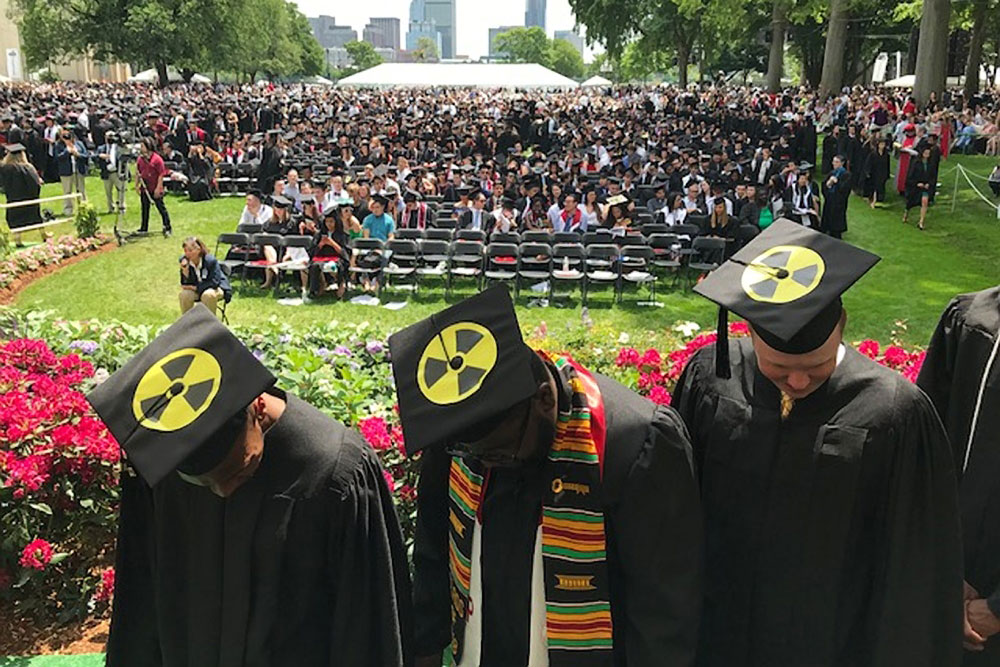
776,58
910,61
974,62
161,74
932,50
187,74
683,55
833,55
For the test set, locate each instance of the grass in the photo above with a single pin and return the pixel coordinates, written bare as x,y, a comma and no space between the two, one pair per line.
91,660
919,273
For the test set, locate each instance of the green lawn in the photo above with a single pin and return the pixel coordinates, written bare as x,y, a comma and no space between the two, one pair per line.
919,273
92,660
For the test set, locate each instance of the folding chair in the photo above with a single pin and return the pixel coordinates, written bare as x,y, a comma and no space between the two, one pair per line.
244,175
471,235
651,228
432,260
637,269
566,237
223,305
534,263
249,228
536,236
568,262
666,249
259,241
402,262
410,234
239,247
446,223
224,178
501,263
591,238
465,261
505,237
360,247
707,254
603,268
747,233
439,234
291,241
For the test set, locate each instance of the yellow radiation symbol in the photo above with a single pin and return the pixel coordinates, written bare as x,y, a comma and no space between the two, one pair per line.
455,363
783,274
176,390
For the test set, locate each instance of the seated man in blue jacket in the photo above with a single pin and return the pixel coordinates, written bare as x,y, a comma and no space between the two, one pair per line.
71,160
202,278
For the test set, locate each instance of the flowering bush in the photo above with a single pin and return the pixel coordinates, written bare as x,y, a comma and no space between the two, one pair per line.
58,465
58,488
44,254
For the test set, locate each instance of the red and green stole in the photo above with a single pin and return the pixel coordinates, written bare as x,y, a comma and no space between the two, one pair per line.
574,556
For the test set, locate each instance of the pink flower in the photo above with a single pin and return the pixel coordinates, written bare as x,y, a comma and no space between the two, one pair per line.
36,554
651,379
659,395
701,341
376,432
389,481
895,356
650,359
627,356
869,348
407,493
916,363
106,586
737,329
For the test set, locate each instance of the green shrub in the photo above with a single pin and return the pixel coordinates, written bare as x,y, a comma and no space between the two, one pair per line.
86,221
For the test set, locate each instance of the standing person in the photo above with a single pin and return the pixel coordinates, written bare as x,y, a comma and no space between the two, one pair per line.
108,163
20,182
906,149
933,162
960,375
836,192
269,170
557,520
149,173
832,527
71,158
918,183
877,171
258,530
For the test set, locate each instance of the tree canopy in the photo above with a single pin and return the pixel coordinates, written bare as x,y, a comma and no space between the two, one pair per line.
531,45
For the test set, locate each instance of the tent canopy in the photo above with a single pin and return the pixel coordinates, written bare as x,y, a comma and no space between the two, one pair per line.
476,75
596,80
173,76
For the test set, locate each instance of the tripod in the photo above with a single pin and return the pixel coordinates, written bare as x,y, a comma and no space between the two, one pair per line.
124,178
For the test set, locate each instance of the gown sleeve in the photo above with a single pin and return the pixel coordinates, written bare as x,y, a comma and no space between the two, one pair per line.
916,615
133,638
937,374
686,399
371,614
658,541
431,599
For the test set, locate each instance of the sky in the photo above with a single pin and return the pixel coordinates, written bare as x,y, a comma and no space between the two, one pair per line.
474,17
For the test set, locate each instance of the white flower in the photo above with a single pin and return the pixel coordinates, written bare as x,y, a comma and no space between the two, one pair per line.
100,375
623,338
686,329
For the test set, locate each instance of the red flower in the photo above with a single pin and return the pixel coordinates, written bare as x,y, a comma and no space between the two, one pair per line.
407,493
659,395
389,481
376,433
106,586
869,348
36,554
627,356
650,359
895,357
739,329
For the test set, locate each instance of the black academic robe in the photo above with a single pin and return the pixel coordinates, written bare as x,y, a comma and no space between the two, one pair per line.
832,537
877,172
20,183
918,172
653,529
304,565
953,377
830,148
835,196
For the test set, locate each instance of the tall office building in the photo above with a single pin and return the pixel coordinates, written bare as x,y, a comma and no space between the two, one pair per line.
329,34
534,14
494,53
442,13
383,33
572,37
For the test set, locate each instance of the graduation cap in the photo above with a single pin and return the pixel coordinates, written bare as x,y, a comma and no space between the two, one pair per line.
617,200
307,199
787,284
411,196
460,369
464,190
165,405
380,199
509,202
14,148
280,201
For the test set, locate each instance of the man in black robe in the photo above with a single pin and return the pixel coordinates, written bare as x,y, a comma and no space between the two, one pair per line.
510,429
259,531
832,535
961,375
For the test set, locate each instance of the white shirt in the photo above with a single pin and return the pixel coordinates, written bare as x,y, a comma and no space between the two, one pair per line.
554,215
264,214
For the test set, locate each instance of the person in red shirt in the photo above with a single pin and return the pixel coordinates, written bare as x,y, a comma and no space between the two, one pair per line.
149,184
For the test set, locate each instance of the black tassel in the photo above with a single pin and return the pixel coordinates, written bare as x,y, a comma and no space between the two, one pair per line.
722,345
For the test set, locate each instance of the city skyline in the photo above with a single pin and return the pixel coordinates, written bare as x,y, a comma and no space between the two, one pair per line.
473,19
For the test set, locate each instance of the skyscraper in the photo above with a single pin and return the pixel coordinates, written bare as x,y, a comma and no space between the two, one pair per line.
420,27
572,37
383,32
534,14
442,13
329,34
494,53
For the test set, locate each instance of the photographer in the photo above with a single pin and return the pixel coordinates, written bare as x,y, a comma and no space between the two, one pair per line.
202,278
149,175
111,163
71,158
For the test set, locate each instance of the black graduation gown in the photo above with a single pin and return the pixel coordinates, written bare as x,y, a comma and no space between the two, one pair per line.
304,565
877,172
833,218
919,172
952,376
653,528
20,183
830,148
832,537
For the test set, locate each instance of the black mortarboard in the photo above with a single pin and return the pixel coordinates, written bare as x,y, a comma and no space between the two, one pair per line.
307,199
14,148
411,196
380,199
166,403
280,201
460,368
787,284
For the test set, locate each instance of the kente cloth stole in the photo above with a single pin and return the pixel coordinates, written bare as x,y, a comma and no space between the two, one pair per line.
574,556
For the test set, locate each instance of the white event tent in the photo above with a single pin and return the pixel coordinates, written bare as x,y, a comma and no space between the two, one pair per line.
150,76
596,80
463,75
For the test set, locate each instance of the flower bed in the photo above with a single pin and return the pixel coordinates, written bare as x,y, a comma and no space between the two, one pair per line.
58,465
45,254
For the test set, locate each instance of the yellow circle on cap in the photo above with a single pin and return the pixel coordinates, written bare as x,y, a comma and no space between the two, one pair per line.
455,363
183,406
765,278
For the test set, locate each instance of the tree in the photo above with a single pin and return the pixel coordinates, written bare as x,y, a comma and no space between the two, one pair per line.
833,54
932,49
362,55
565,59
426,51
776,56
523,45
312,60
981,9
